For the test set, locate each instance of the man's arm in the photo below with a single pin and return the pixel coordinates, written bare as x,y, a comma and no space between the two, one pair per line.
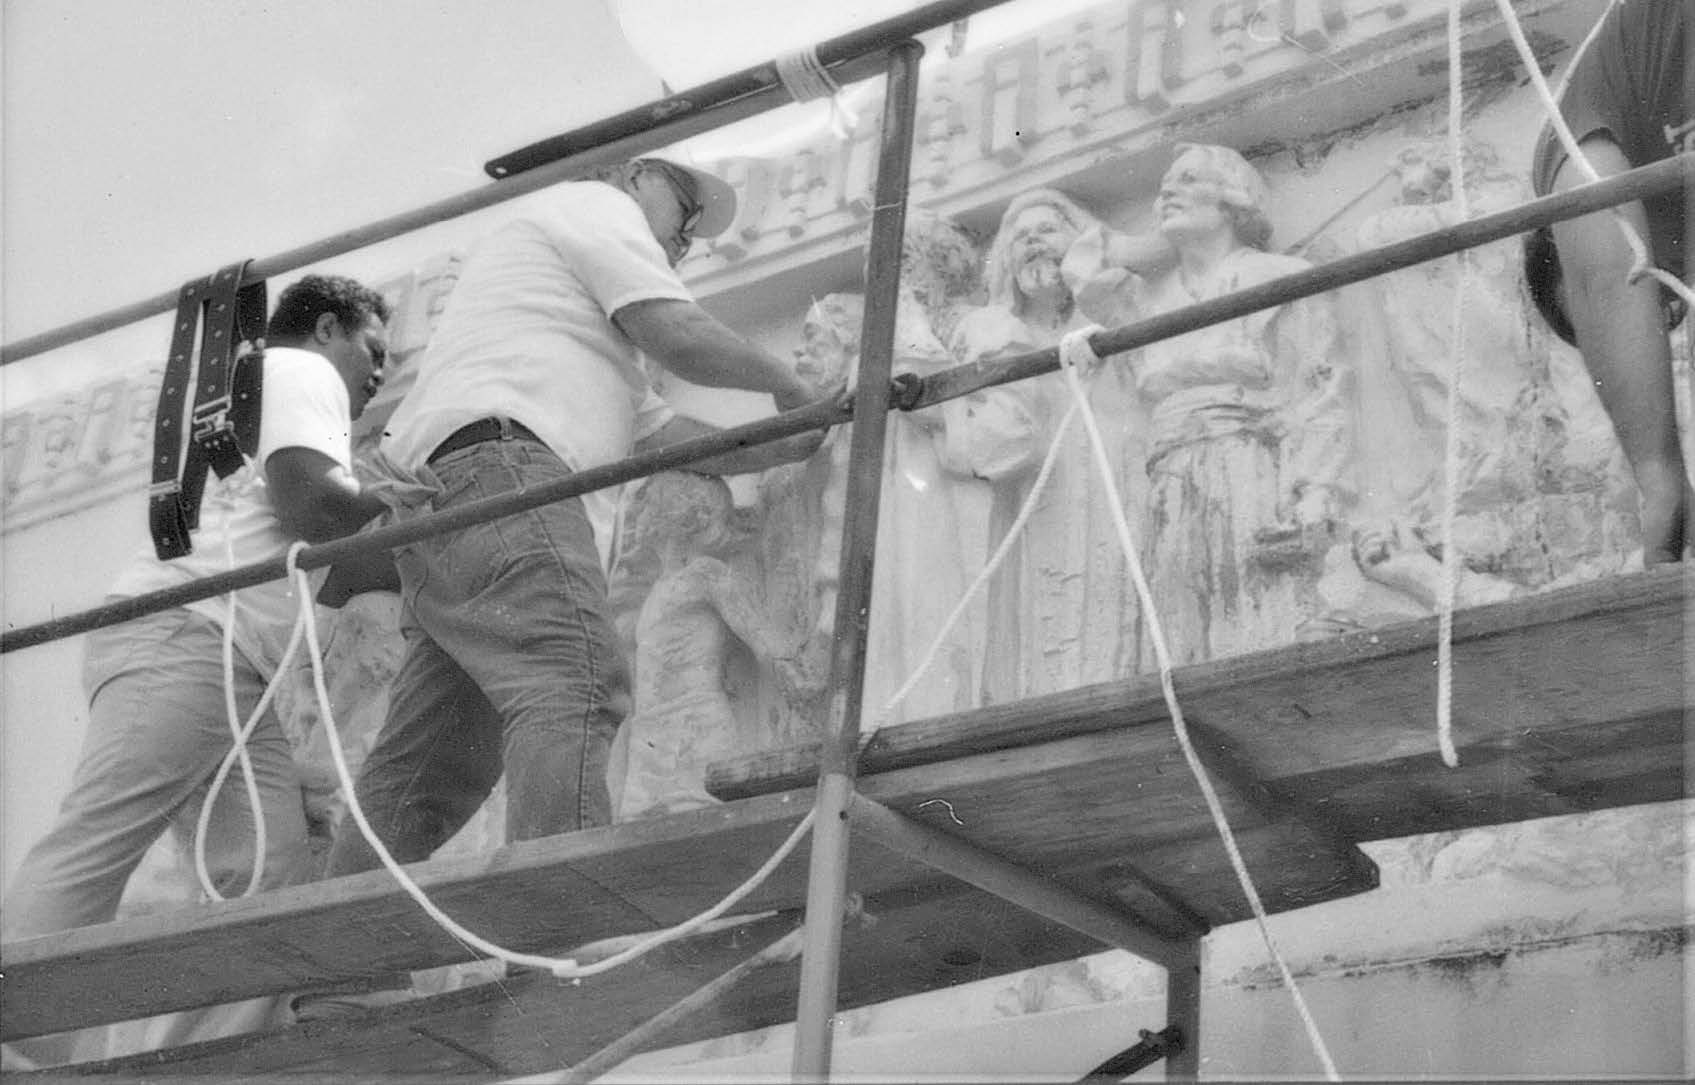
691,343
316,498
1621,333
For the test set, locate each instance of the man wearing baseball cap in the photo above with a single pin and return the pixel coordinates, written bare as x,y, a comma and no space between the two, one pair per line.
534,373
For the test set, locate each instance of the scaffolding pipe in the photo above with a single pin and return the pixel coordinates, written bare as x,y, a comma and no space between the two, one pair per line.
652,1033
1663,176
826,889
817,416
849,58
1660,177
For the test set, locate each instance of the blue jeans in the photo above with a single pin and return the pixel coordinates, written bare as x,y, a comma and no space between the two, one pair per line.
511,662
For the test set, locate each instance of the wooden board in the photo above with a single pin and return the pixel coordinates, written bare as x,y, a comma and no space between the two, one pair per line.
1059,808
532,1022
1567,701
1579,699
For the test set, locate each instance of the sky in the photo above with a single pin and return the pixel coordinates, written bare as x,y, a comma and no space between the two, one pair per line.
144,142
148,142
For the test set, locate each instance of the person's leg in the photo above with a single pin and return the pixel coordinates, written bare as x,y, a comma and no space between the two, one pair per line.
1621,333
434,762
230,831
530,627
157,729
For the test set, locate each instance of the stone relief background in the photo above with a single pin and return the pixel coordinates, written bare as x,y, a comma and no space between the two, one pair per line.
1545,499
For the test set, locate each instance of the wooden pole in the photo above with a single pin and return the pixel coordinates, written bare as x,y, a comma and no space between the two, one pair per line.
848,58
827,884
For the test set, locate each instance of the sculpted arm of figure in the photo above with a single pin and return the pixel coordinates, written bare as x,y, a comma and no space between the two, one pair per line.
1102,268
1000,432
737,603
1320,465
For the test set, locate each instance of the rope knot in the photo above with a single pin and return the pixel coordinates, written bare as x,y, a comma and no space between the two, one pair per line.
1076,352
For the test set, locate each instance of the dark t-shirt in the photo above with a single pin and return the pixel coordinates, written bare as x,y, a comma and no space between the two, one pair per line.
1635,81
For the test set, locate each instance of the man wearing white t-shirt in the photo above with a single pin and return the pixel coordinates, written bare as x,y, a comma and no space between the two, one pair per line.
158,727
533,373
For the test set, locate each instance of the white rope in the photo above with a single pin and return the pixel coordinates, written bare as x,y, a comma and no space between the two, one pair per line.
1075,352
561,967
989,569
1075,348
805,77
238,748
239,751
1451,443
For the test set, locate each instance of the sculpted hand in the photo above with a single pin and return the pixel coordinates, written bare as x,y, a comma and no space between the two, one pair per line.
1316,507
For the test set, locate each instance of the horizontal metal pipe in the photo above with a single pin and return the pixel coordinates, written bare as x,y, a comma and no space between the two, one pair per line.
1651,180
681,454
950,384
849,58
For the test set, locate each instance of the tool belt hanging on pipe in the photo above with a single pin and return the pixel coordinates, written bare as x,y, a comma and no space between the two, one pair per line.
208,414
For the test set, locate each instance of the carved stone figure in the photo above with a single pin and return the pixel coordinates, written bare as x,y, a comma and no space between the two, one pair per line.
682,717
933,515
1540,500
1062,607
1250,422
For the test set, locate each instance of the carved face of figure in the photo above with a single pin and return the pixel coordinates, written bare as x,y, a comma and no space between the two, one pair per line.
1424,179
1211,190
1040,236
829,340
1191,200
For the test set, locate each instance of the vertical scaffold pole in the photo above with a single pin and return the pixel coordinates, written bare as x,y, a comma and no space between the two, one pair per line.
1183,1009
827,884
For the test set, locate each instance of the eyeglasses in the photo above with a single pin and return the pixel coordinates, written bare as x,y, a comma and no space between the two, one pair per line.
682,186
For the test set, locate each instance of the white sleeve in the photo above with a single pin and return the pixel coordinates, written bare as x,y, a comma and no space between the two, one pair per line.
303,404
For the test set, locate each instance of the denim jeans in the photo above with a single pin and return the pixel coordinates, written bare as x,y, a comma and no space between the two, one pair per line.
511,664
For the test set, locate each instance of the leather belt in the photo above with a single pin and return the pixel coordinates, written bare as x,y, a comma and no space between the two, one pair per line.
483,429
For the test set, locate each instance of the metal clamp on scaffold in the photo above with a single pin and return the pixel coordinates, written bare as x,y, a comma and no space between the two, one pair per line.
208,414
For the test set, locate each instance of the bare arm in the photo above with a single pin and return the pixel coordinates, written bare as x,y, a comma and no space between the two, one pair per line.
316,498
690,342
1621,333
